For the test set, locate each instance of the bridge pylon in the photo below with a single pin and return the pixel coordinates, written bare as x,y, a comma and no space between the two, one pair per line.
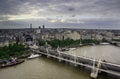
47,52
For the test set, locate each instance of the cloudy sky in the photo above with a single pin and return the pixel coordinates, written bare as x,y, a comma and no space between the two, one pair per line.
95,14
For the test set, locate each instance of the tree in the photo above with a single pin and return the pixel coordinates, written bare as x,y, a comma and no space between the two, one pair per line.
12,50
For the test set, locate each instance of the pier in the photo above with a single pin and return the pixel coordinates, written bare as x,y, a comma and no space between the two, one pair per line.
96,66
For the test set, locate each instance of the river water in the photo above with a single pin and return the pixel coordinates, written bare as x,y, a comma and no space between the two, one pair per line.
108,53
48,68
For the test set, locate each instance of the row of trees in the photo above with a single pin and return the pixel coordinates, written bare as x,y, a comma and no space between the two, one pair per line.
118,40
11,50
67,42
63,43
90,41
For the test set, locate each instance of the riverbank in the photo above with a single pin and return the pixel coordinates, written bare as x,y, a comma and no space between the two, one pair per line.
9,63
12,54
67,42
12,50
70,43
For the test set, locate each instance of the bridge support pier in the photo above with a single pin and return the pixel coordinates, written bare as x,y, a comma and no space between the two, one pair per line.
95,70
48,56
59,54
75,60
47,53
60,60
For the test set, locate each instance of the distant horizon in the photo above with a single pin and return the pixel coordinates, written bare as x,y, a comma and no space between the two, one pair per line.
59,28
94,14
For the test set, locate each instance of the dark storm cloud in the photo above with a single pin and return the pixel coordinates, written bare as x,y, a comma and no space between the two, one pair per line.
9,6
17,6
92,9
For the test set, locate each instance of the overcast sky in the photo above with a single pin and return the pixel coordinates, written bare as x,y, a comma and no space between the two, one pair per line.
90,14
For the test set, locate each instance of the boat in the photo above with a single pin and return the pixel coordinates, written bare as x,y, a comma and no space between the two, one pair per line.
64,49
104,43
34,46
12,63
72,49
33,56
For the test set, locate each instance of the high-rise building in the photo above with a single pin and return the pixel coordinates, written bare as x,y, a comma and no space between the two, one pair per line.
38,30
31,26
39,27
43,26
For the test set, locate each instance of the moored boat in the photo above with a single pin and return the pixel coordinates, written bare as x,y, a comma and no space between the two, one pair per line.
72,49
8,64
33,56
104,43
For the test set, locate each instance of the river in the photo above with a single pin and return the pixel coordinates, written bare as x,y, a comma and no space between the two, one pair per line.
48,68
108,53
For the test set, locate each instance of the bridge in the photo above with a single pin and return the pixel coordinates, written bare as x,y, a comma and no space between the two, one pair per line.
96,66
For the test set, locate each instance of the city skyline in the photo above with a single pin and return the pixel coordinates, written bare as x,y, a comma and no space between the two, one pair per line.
84,14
